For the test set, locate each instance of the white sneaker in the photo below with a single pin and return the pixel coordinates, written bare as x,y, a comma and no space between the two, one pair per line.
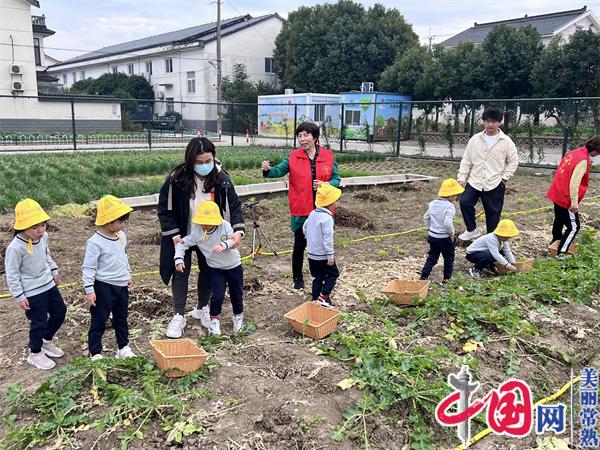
475,273
203,315
51,350
215,327
470,235
96,357
238,322
176,327
125,352
40,360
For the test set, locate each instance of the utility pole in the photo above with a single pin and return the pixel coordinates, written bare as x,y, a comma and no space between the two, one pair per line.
219,74
430,37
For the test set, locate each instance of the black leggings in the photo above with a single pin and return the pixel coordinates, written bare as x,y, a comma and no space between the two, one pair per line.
180,282
298,254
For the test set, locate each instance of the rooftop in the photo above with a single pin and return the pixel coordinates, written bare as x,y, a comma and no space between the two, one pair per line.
201,33
546,24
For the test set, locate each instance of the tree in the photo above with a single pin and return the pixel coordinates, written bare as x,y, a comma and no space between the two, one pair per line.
238,89
569,69
334,47
121,86
509,54
116,84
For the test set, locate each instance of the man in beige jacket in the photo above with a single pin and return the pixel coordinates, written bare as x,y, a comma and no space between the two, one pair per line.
489,160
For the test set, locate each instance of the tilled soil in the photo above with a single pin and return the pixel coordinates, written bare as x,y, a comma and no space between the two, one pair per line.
278,381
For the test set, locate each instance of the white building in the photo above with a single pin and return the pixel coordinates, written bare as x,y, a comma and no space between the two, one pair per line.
562,23
24,77
181,65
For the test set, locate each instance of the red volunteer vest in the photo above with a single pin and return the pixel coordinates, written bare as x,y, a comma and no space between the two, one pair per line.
559,189
300,191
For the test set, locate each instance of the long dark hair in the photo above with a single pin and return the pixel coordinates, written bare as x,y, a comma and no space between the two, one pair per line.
185,171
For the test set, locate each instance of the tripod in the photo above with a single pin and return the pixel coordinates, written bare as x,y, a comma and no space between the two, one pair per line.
258,235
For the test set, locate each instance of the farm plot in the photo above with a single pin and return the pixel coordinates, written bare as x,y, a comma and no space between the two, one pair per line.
269,388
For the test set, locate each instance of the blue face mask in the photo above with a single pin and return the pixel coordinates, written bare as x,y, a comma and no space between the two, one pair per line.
204,169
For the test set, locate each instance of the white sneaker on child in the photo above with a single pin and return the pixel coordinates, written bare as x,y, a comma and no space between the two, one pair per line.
176,327
40,360
125,352
51,350
215,327
238,322
96,357
203,315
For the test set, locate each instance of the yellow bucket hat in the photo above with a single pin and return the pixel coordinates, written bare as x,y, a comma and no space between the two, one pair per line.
110,208
450,187
506,228
327,194
207,213
28,213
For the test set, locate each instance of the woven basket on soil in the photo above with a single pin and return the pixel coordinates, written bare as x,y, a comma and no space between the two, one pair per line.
177,356
406,292
554,248
313,320
522,266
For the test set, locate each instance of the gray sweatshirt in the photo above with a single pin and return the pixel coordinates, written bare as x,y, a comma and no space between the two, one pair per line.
491,243
439,218
105,260
29,274
227,259
318,230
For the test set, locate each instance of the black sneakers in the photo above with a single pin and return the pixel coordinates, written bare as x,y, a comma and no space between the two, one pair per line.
298,283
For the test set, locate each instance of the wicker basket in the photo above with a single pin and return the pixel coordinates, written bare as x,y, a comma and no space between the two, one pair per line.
177,356
522,266
406,292
313,320
554,248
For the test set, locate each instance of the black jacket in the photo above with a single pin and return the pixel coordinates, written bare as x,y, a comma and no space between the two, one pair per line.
174,214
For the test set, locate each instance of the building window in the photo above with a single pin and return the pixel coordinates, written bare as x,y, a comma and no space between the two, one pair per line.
352,117
149,67
169,65
37,52
170,104
191,82
578,28
269,65
74,77
82,75
114,69
64,77
130,69
319,113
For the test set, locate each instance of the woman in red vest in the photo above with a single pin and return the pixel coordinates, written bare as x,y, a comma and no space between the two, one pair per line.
567,190
308,167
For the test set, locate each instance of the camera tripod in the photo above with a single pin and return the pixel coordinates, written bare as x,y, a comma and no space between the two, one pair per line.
258,235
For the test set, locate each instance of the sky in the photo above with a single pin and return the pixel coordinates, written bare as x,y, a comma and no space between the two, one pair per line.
86,25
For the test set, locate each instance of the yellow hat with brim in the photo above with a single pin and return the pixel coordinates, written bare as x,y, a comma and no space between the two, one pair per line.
450,187
506,228
327,194
207,213
28,213
110,208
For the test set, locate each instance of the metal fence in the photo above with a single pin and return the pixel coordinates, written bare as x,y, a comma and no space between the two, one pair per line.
543,129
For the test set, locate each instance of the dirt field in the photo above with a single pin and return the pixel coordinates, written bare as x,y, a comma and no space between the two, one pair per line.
285,394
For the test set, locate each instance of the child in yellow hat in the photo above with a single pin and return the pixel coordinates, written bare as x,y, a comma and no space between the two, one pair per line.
107,276
439,221
318,230
493,247
214,238
32,278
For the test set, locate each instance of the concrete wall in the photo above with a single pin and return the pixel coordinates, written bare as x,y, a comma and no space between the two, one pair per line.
31,115
15,22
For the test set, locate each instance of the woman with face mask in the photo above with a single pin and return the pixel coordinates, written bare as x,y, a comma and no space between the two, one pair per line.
197,179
